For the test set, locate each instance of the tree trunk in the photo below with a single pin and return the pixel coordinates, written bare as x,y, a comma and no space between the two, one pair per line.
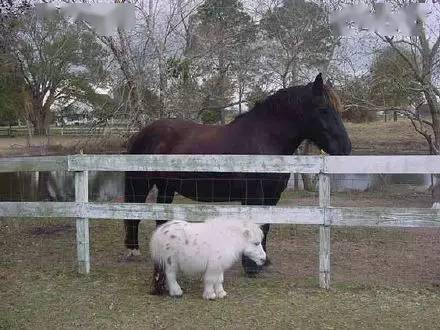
435,188
309,180
40,123
434,108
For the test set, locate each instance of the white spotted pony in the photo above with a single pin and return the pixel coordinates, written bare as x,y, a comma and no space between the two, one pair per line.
207,248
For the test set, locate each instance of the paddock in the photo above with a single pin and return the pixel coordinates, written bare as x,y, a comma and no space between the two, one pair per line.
357,254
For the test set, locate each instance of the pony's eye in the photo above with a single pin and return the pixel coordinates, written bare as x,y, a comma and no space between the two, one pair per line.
257,243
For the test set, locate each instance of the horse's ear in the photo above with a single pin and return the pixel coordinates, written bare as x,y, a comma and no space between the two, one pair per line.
247,234
318,85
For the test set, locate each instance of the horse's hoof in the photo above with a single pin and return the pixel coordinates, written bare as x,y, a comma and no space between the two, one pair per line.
267,263
133,252
132,255
253,271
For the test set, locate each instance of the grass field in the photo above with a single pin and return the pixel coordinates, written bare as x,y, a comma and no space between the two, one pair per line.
381,278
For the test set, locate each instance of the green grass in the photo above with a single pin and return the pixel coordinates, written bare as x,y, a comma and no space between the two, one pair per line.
40,289
53,300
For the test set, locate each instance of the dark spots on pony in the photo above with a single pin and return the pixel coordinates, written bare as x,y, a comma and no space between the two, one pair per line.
186,242
173,236
169,261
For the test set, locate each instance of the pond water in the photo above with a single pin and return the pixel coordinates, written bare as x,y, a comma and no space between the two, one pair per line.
109,186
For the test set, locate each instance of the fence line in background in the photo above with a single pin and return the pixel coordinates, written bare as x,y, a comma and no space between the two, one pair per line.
325,216
68,130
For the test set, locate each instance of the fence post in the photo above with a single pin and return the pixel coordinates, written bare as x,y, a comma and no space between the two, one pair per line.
324,232
82,224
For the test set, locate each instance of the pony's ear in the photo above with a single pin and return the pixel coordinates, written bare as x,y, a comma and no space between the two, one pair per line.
318,85
247,234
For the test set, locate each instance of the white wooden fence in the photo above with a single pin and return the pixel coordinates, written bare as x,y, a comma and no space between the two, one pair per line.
323,215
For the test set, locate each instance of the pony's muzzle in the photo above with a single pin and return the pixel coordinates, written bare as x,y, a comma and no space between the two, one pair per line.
261,261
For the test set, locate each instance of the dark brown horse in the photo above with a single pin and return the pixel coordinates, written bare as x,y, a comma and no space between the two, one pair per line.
275,126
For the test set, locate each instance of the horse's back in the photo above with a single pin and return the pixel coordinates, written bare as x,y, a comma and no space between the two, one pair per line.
175,136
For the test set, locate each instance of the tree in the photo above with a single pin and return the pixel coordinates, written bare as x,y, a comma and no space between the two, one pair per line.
299,37
59,61
423,63
417,57
11,98
392,83
221,32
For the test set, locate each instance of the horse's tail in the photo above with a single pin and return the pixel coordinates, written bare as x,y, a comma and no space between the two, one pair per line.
159,279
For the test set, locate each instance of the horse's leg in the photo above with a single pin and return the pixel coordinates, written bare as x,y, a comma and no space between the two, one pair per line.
212,278
136,189
218,288
170,272
165,194
250,267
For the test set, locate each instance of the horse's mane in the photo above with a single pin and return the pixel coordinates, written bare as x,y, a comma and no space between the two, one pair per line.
292,95
334,99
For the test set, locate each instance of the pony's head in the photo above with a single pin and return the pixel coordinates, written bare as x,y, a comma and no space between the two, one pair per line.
253,235
322,121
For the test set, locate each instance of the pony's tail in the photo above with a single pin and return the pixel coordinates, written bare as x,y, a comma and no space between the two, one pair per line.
159,279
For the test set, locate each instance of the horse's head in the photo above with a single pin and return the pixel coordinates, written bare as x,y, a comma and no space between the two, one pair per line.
323,124
253,249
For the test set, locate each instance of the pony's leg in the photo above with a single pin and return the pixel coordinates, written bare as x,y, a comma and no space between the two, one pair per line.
212,278
170,272
218,288
136,189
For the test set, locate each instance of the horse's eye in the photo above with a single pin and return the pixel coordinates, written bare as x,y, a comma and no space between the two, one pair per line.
257,243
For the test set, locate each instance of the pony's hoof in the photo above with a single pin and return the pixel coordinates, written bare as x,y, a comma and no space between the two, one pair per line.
222,294
176,292
209,295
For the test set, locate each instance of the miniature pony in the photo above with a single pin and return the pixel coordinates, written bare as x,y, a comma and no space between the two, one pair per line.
207,248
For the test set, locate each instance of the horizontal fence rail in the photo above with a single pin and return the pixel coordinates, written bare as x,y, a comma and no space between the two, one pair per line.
304,215
325,216
408,164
